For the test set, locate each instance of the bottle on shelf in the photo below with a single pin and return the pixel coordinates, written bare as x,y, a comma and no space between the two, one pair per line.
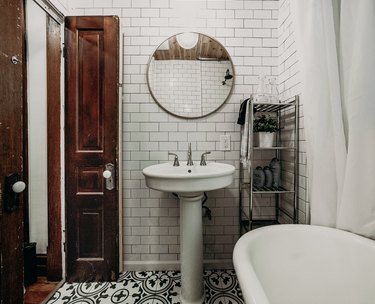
273,91
268,176
276,171
261,93
259,177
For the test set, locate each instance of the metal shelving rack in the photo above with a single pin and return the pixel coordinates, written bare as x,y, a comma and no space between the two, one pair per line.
247,222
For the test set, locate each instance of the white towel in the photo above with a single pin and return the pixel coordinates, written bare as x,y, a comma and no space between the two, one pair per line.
245,134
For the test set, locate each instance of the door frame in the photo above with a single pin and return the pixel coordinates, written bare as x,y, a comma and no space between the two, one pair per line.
56,210
54,39
54,250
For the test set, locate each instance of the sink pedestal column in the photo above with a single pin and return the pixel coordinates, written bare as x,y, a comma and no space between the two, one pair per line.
191,239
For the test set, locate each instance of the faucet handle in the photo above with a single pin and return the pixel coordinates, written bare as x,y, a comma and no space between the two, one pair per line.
203,158
175,162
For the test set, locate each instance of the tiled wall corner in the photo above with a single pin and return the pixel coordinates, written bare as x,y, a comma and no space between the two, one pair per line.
289,86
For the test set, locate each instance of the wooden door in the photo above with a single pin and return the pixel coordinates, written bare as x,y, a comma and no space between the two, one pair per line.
91,144
12,73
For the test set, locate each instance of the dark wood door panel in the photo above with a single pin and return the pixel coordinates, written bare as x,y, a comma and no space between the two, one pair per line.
90,180
90,90
91,141
90,222
12,67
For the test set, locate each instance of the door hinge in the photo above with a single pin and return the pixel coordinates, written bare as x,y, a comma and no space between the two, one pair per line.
64,246
64,51
1,201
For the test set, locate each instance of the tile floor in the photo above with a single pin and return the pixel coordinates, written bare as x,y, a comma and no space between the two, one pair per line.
150,287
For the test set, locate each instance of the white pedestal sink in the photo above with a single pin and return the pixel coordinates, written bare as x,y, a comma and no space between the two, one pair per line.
189,182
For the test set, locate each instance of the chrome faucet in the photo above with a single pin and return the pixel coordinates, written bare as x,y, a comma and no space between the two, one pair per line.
203,158
175,162
189,159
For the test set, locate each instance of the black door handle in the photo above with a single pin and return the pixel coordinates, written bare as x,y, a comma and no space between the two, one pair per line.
13,186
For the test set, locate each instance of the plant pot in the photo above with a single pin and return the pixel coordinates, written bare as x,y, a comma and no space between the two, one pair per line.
266,139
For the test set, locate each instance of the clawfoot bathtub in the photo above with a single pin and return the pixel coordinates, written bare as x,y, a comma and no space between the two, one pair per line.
301,264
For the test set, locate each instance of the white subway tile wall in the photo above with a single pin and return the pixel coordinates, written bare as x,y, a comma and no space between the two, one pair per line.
200,82
289,86
249,31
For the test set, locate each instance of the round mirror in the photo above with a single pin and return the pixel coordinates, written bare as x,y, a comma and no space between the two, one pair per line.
190,75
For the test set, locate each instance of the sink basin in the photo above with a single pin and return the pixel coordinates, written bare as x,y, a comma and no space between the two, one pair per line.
187,179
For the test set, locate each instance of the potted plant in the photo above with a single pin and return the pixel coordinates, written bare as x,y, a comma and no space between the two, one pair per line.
265,126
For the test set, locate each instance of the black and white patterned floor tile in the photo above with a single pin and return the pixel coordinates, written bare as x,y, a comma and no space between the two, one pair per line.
150,287
221,287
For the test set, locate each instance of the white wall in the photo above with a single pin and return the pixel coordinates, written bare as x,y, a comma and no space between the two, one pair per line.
249,31
61,5
37,123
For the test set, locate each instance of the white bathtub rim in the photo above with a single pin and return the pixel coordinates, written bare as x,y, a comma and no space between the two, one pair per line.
289,227
253,292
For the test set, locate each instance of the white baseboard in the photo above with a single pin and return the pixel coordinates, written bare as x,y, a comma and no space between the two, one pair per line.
173,265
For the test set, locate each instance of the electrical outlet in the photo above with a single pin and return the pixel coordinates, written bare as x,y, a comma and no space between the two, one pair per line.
225,142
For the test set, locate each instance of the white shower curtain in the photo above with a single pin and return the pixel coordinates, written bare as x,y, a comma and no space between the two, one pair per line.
339,109
357,47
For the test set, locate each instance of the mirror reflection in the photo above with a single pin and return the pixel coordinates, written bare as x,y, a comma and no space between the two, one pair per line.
190,75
